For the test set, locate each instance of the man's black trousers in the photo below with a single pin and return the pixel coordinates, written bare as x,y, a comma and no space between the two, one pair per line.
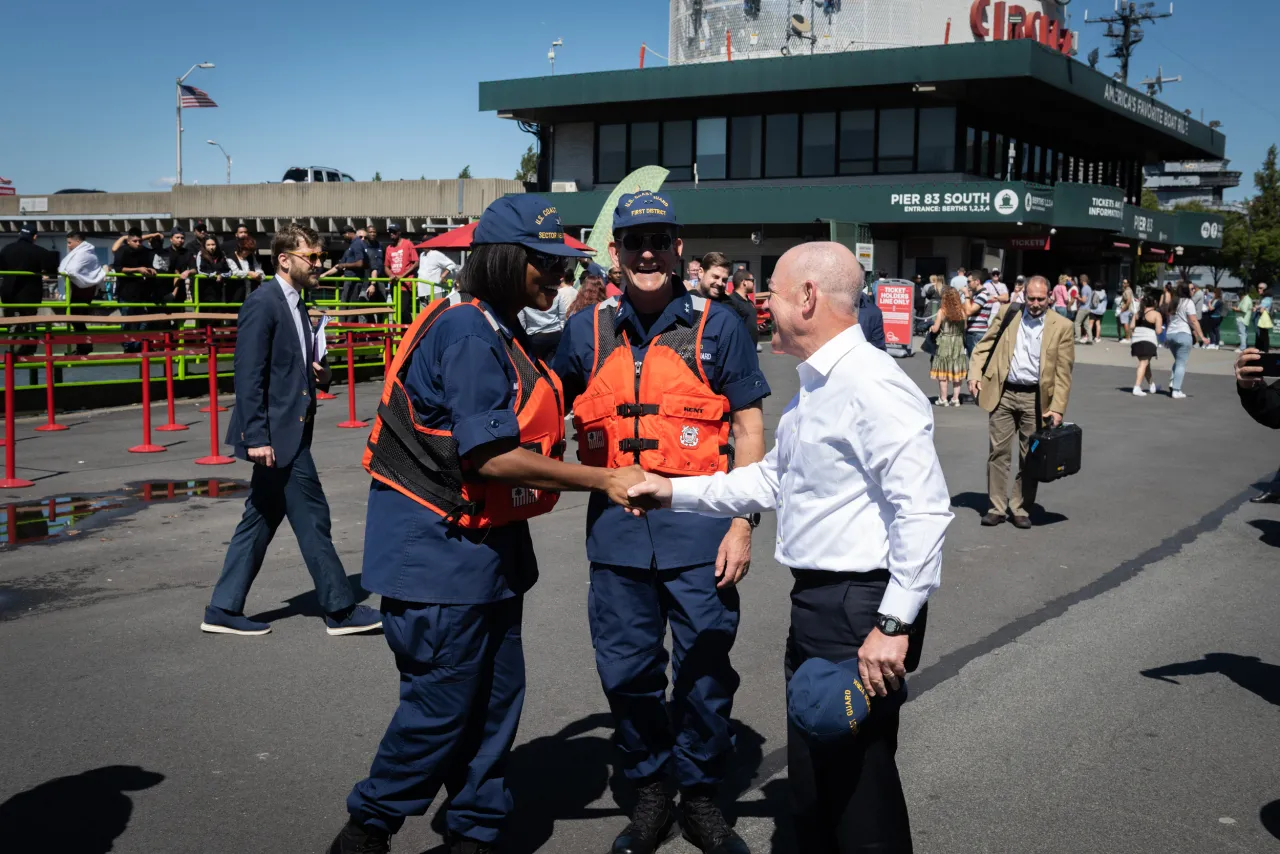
847,798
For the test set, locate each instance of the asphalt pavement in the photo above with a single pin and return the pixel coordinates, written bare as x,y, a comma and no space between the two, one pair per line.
1107,680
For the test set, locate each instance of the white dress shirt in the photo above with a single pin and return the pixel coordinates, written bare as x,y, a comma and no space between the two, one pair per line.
1025,367
292,297
853,475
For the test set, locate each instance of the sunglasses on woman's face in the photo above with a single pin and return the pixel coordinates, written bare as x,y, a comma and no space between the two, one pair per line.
544,263
658,241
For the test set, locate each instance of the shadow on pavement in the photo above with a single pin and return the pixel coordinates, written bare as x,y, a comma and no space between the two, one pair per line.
1247,671
1270,529
1269,815
308,604
556,778
83,814
975,501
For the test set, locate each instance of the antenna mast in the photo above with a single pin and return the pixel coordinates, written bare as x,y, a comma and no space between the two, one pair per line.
1129,16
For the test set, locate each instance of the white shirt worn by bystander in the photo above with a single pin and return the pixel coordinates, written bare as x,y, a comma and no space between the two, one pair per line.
1025,367
854,476
432,269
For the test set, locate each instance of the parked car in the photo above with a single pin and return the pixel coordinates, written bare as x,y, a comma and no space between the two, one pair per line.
314,175
74,190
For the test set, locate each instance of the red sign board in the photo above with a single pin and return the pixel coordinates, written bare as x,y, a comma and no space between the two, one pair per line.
8,191
894,301
1032,243
1010,21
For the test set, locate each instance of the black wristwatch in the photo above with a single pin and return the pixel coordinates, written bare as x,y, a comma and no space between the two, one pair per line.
753,520
892,626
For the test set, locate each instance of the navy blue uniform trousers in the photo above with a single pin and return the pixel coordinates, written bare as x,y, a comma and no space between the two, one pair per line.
274,493
461,692
847,798
629,610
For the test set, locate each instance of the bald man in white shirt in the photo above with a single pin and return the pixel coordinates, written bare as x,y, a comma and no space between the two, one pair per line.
862,512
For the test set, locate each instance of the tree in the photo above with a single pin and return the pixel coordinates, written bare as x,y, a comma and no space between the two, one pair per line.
377,176
1150,200
528,171
466,171
1261,262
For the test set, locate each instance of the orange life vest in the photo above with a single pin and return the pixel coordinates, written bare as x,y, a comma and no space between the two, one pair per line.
659,412
423,464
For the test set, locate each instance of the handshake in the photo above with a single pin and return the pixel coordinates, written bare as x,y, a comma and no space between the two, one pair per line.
637,490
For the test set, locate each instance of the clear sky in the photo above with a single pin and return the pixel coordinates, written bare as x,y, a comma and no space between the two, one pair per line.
89,96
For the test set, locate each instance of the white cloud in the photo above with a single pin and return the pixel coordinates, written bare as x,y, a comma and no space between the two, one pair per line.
164,182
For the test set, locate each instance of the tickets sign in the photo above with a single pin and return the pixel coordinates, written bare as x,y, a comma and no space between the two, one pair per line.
894,301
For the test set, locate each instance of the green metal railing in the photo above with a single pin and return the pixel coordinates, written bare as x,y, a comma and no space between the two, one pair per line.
190,366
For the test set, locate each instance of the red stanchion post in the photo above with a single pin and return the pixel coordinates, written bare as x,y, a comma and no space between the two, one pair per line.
352,422
146,447
50,426
172,425
213,369
11,480
214,458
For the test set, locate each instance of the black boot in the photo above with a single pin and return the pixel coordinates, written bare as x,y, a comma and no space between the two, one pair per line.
1269,497
463,845
359,839
651,821
705,827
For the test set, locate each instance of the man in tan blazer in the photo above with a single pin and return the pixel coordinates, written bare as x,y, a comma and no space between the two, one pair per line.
1035,350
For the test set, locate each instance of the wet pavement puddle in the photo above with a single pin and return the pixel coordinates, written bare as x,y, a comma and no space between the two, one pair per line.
64,517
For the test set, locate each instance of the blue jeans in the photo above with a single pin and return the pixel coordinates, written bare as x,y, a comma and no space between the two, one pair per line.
1180,347
628,610
274,493
1242,330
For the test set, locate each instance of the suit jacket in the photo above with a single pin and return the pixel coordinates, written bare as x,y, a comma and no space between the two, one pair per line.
1057,357
1262,402
275,385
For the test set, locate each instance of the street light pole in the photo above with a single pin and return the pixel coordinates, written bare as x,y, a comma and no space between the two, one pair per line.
178,93
224,154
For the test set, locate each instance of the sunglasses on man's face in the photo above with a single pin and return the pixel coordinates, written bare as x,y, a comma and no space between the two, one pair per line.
658,241
312,258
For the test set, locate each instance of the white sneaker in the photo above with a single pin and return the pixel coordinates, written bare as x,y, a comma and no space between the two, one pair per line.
1138,392
1177,395
1154,389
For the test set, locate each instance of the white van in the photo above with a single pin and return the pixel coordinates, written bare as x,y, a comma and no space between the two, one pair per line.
315,175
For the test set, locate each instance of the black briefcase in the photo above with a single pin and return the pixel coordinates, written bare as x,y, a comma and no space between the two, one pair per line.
1054,452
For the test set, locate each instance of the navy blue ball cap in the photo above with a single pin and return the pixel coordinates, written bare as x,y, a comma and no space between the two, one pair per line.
529,220
27,228
827,701
644,208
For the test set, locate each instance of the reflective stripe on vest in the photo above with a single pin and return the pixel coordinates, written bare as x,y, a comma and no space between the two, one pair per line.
423,463
658,412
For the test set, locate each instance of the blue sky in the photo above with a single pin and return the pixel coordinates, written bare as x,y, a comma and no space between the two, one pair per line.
89,97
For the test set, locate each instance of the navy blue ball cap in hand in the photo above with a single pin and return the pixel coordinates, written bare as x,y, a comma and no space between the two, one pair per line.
827,701
529,220
644,208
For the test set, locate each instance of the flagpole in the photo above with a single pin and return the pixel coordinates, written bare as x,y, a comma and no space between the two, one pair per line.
178,90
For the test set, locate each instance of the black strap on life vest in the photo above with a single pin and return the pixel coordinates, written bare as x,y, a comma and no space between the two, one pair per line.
683,339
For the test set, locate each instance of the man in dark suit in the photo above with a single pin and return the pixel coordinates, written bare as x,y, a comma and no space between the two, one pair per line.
1262,402
271,426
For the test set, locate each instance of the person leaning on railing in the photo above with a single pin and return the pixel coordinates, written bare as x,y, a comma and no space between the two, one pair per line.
244,270
85,278
134,277
21,294
212,270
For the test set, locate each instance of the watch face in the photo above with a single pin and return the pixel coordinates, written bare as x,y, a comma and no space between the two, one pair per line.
890,625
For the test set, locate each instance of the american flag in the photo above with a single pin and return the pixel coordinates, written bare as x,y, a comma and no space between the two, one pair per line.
193,97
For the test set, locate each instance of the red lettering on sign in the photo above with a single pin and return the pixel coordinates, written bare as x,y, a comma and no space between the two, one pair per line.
1034,25
976,15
